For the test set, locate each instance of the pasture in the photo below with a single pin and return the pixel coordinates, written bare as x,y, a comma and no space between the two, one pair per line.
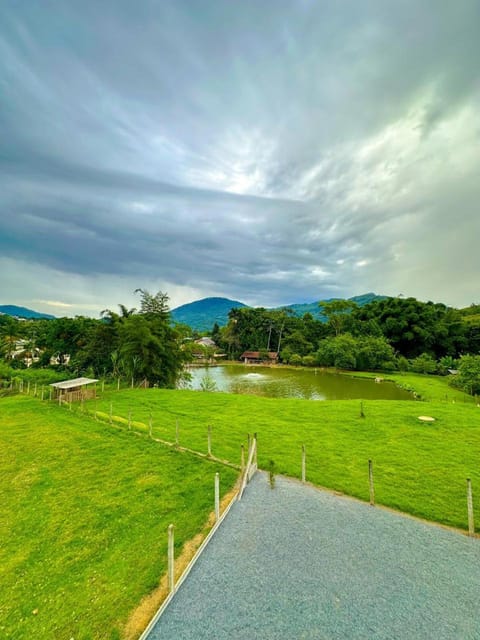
85,511
419,468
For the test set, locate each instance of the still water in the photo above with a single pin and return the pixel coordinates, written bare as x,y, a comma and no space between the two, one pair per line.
294,383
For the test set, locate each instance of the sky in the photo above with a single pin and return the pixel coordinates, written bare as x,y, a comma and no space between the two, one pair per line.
270,152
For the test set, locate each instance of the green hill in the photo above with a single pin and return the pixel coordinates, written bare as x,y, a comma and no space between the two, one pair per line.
23,312
203,314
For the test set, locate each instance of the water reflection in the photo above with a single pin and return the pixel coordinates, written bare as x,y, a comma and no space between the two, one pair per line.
311,384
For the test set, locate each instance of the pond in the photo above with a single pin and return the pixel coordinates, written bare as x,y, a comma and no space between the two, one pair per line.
278,382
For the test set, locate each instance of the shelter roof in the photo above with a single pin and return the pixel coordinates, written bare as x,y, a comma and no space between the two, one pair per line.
76,382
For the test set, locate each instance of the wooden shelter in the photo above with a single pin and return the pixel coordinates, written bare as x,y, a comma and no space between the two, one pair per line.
259,357
75,390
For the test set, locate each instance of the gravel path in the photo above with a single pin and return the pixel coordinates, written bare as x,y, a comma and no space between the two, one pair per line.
297,562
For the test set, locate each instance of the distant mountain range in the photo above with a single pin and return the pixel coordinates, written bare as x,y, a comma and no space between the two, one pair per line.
23,312
203,314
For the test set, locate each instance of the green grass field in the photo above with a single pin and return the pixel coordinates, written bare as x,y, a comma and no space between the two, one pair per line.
418,468
84,514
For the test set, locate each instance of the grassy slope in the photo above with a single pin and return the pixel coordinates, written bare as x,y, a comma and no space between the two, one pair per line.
429,388
419,468
85,510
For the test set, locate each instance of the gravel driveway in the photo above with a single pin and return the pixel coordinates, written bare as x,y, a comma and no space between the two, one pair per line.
297,562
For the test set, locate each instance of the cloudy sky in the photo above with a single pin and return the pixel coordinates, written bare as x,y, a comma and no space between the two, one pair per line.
271,151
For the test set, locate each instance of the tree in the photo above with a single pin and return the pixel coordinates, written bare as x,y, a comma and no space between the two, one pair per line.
156,305
468,377
338,312
149,345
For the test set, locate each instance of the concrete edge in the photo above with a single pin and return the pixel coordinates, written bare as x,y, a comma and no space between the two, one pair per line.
382,507
187,570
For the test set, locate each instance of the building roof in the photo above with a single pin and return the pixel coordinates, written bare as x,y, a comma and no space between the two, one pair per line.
206,341
256,354
76,382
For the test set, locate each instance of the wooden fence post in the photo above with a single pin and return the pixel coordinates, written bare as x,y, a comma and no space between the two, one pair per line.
43,391
471,523
35,390
118,384
171,559
304,465
370,481
217,496
209,441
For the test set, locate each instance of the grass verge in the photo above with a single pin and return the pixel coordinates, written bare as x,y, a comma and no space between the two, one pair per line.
85,511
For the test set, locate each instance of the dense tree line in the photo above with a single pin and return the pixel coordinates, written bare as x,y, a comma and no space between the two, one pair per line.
135,344
389,334
393,334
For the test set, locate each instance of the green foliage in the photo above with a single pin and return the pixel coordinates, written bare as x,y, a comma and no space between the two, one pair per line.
348,352
413,327
295,359
468,377
338,313
424,364
271,474
207,383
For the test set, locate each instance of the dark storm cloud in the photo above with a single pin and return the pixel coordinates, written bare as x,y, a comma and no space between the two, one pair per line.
271,151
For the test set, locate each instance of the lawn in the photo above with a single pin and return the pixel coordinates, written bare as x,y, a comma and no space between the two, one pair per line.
85,511
429,388
418,468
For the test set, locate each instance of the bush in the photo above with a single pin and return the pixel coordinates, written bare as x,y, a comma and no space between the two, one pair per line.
308,361
424,364
468,377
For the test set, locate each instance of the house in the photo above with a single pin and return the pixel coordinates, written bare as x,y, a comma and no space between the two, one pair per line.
75,390
59,358
259,357
206,342
22,350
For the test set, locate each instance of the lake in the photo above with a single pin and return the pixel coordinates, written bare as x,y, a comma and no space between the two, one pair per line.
311,384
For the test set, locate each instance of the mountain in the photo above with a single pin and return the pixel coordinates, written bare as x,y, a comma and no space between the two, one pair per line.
315,310
202,314
23,312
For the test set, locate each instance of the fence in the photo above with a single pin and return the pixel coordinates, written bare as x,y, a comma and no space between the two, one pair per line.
246,469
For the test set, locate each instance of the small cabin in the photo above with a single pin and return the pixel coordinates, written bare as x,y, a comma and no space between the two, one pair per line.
259,357
75,390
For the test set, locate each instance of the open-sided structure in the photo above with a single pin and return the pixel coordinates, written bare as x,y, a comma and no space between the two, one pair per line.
75,390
